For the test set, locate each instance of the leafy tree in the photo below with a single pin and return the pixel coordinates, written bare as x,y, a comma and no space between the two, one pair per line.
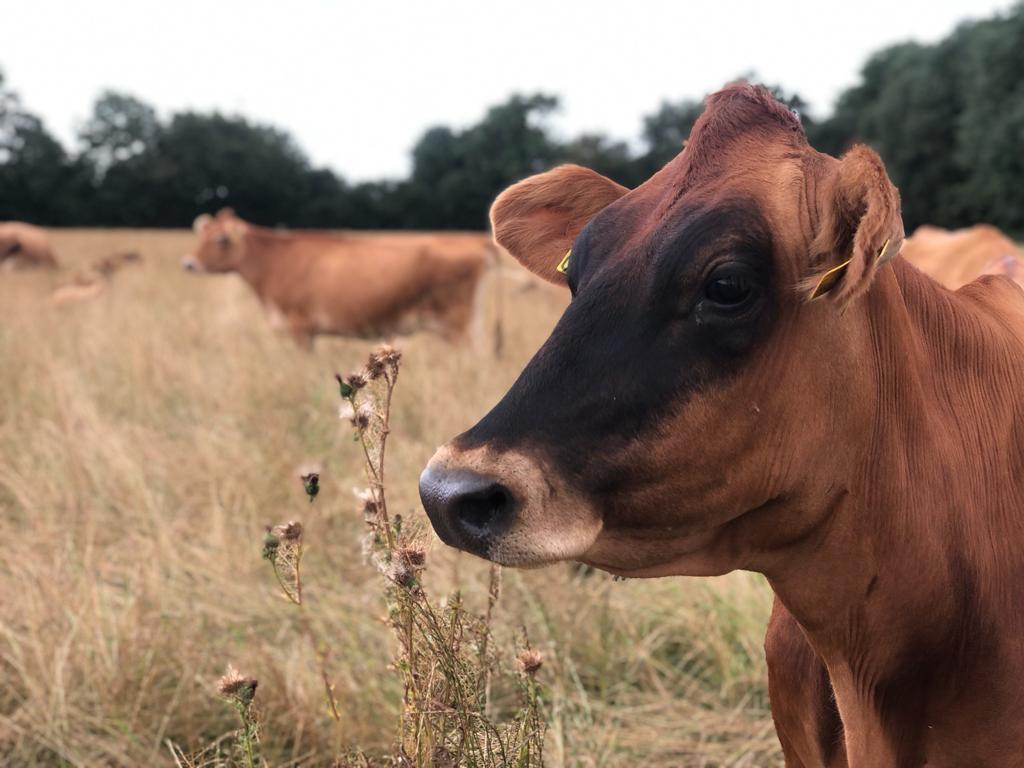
121,127
456,175
33,165
989,136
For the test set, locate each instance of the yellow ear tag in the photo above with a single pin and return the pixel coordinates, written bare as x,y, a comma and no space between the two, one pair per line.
563,265
829,279
881,254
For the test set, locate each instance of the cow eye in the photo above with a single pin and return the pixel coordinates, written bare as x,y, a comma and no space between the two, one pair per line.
729,288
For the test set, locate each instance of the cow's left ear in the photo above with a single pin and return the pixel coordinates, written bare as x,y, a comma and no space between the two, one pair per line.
538,219
861,227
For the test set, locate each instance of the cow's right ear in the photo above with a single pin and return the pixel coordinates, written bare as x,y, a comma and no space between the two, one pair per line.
538,219
202,222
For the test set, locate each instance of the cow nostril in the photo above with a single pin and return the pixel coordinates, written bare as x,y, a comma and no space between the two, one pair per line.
482,511
466,509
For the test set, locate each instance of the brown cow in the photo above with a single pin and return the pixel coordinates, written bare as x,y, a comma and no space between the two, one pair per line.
95,280
958,257
746,379
347,285
24,245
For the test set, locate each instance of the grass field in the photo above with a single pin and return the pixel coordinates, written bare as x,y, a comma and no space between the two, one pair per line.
148,435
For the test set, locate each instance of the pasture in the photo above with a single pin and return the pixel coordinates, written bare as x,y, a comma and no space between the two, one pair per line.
149,434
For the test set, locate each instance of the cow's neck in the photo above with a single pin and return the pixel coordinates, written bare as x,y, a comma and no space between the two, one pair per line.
263,251
918,556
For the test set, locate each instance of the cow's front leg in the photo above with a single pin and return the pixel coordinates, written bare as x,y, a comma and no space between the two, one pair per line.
803,705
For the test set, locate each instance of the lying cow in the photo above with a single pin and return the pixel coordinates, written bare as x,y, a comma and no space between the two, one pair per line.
24,245
958,257
746,379
93,282
347,285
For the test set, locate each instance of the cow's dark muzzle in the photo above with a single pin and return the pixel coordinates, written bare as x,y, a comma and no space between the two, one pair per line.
466,509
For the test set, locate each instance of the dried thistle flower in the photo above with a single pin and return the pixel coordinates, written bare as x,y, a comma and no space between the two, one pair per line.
236,687
529,661
290,531
359,417
311,484
413,554
381,359
400,572
366,504
356,380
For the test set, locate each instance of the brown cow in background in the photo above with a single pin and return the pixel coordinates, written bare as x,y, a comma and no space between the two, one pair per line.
24,245
357,285
958,257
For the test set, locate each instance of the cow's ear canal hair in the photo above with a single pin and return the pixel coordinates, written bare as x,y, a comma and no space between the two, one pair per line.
537,219
861,228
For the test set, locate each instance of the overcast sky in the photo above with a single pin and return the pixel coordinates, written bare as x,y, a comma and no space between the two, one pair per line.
357,82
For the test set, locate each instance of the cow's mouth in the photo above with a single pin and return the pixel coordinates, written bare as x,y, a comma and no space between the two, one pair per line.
505,508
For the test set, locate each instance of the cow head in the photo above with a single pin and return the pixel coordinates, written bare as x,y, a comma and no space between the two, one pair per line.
688,412
222,246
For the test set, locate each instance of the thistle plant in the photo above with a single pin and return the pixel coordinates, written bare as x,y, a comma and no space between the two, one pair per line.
240,692
445,658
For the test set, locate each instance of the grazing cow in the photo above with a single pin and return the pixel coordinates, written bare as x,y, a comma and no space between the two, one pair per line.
958,257
24,245
347,285
746,378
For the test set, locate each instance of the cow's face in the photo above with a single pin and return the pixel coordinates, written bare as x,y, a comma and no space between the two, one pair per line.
221,247
670,422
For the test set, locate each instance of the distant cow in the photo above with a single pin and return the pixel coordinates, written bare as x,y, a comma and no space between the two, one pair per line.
748,377
24,245
356,285
958,257
95,280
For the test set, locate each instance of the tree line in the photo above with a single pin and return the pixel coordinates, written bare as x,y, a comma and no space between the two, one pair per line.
947,118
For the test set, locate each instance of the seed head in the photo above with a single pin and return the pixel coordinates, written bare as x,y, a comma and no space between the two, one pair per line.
529,661
311,484
382,359
356,380
400,572
236,687
290,531
413,554
359,417
366,505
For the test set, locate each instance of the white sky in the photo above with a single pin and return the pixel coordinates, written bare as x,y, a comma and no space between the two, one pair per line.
356,82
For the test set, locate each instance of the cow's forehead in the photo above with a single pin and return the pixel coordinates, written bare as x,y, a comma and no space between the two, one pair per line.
754,187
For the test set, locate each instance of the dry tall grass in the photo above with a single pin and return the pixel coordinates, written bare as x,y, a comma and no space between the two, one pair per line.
146,438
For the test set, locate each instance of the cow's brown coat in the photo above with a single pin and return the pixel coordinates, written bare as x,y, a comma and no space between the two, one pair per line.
348,285
24,245
868,459
958,257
